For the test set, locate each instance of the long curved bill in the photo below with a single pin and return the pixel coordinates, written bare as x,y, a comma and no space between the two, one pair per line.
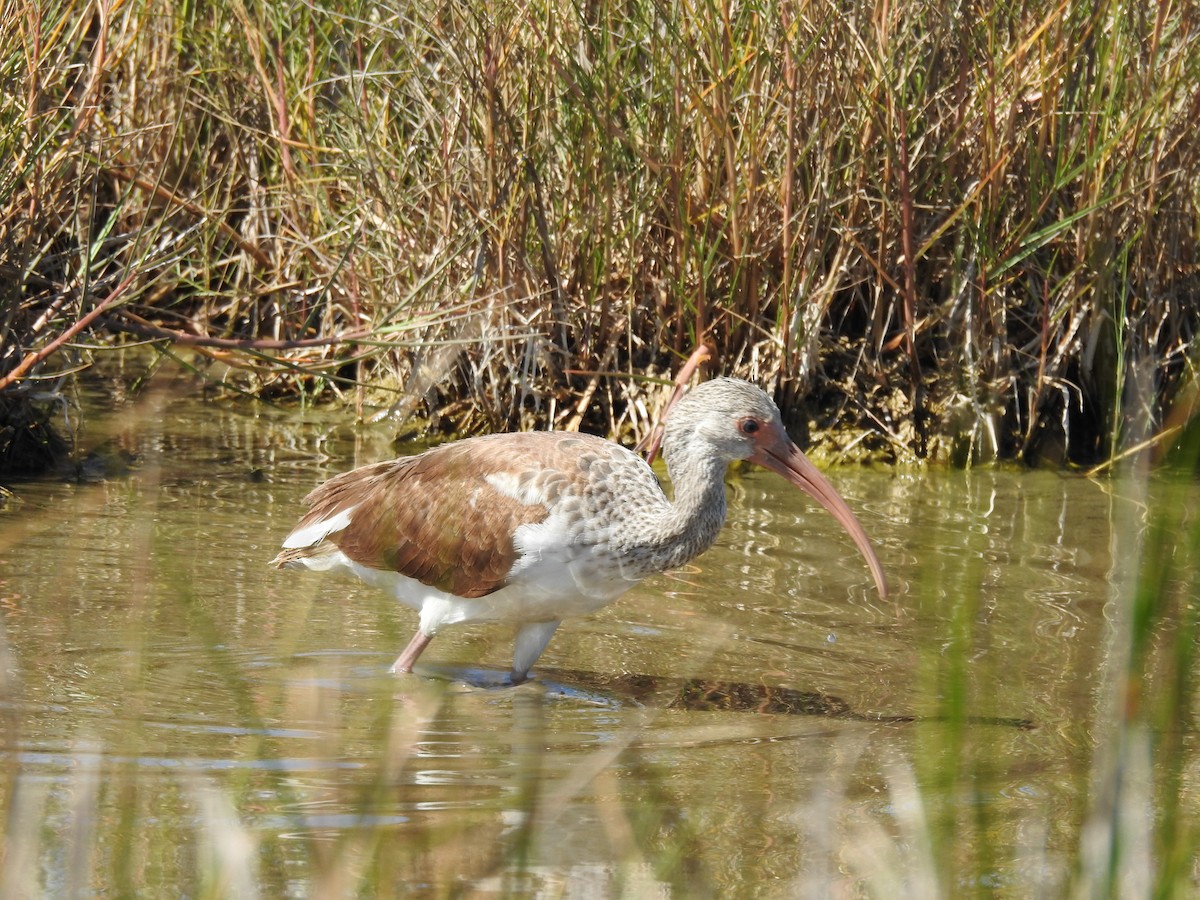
775,451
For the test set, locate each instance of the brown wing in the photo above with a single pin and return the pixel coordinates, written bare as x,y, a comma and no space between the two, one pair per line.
436,517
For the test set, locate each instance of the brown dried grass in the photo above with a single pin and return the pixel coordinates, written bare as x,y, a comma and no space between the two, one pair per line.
959,233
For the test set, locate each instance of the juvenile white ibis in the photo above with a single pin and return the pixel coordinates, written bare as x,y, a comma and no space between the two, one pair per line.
532,528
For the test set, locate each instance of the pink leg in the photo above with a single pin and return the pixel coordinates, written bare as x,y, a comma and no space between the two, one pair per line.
404,663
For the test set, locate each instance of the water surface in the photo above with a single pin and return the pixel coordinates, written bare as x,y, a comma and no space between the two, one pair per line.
179,718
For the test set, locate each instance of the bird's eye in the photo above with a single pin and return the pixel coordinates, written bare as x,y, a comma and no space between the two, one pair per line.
749,426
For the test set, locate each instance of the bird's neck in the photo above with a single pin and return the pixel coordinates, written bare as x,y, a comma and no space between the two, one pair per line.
694,519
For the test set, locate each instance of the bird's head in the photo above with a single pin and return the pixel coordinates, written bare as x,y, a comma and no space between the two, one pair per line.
735,420
730,417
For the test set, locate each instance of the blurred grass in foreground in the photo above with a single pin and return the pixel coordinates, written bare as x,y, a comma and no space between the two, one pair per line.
242,756
265,819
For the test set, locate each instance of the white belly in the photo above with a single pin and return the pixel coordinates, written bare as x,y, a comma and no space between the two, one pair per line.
543,587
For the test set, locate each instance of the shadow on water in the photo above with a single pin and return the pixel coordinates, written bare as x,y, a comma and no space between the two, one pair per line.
691,694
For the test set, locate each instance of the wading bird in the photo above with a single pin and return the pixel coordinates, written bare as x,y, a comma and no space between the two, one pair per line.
531,528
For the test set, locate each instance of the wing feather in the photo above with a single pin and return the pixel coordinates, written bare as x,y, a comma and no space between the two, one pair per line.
445,517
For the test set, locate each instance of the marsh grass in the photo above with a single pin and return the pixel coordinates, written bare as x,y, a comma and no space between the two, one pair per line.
961,232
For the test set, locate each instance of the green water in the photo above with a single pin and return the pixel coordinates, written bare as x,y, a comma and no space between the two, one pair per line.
176,718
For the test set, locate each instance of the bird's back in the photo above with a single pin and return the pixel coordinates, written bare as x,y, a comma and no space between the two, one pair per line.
469,516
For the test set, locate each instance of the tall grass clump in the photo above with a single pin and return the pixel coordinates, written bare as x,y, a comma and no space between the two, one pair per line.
961,232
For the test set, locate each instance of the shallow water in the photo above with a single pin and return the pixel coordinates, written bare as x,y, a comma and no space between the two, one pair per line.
179,718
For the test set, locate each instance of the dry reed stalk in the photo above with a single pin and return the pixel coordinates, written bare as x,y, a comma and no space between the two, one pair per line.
993,213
